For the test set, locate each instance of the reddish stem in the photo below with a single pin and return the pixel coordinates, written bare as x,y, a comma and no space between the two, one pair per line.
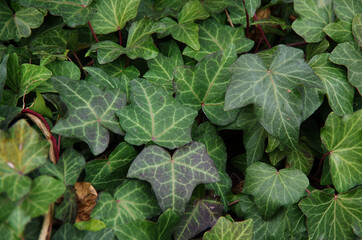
120,36
76,58
59,138
262,32
321,163
296,44
90,63
232,203
307,190
257,47
229,19
93,33
247,19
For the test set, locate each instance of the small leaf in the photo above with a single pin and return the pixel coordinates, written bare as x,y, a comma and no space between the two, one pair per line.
301,159
52,41
40,107
191,11
225,229
154,115
90,225
357,29
216,6
67,210
174,178
101,79
86,197
18,220
342,138
313,49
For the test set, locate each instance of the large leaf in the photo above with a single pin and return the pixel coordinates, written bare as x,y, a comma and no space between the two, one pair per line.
331,216
342,138
349,55
226,229
198,216
154,115
267,80
91,112
285,187
340,93
204,86
215,37
21,151
174,178
69,231
314,16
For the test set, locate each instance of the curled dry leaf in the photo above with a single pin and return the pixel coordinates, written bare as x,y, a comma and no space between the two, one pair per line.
86,200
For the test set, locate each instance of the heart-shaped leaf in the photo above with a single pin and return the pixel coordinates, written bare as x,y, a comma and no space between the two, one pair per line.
154,115
267,80
331,216
342,138
226,229
174,178
91,112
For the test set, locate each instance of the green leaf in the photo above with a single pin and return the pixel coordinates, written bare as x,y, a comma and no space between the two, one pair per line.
112,15
92,224
19,24
40,107
174,178
313,49
67,210
349,55
101,79
285,187
65,69
357,29
68,167
340,31
340,93
216,6
52,41
133,200
225,229
198,216
91,112
21,151
68,231
204,86
3,75
301,159
331,216
342,138
18,220
7,113
215,37
314,16
107,51
44,190
107,174
119,67
268,82
191,11
32,76
154,115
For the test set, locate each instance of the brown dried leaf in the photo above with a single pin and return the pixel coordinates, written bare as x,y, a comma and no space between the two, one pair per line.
86,200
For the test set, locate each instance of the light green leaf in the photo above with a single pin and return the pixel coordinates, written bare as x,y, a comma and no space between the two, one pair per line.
91,112
313,49
216,6
198,216
68,167
340,31
174,178
267,80
225,229
339,92
101,79
204,85
346,10
107,51
112,15
284,187
331,216
18,220
32,76
357,29
154,115
92,224
349,55
21,151
215,37
342,138
314,16
40,107
191,11
65,69
44,190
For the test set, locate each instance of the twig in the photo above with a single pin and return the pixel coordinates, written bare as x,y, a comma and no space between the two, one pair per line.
120,36
227,14
262,32
77,58
47,224
232,203
93,33
296,44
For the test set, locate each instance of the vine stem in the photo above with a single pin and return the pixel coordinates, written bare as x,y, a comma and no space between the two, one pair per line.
247,19
120,37
262,32
321,162
229,19
296,44
93,33
232,203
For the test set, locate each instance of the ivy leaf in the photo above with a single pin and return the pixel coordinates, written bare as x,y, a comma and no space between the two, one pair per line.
216,6
3,75
44,190
68,167
67,210
226,229
107,174
19,24
285,187
340,93
91,112
119,67
349,55
174,178
237,11
313,49
133,200
69,231
101,79
40,107
357,29
65,69
154,115
332,216
301,159
18,220
314,16
342,138
215,37
21,151
204,85
112,15
198,216
267,81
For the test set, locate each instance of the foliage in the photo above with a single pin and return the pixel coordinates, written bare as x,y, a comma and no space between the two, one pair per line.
180,119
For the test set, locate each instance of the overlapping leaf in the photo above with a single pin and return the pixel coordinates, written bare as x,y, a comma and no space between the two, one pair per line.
301,159
238,10
226,229
174,178
267,80
69,231
216,6
22,151
91,112
357,29
313,49
154,115
342,138
3,75
331,216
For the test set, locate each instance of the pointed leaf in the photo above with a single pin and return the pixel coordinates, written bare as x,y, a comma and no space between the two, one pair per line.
31,76
40,107
331,216
340,31
91,112
313,49
174,178
301,159
107,51
154,115
101,79
225,229
191,11
216,6
267,81
342,138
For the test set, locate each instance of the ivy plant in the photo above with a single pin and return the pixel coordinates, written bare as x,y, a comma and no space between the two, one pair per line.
180,119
